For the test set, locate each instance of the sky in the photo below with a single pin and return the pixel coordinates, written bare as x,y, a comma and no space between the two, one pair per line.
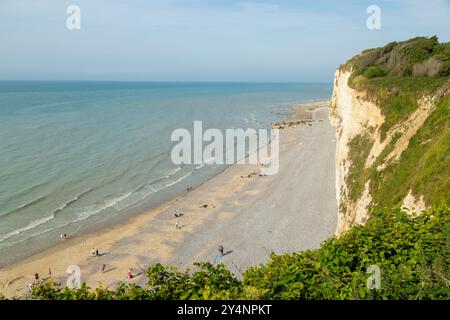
202,40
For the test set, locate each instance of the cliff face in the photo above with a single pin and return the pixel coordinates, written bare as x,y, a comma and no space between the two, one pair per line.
352,115
358,122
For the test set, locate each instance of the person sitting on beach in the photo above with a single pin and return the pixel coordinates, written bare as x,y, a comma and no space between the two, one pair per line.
30,286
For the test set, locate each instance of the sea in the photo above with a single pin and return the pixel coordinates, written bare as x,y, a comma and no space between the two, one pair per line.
76,156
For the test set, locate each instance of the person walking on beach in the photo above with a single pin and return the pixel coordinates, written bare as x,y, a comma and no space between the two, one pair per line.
97,254
219,256
103,268
177,224
129,275
36,278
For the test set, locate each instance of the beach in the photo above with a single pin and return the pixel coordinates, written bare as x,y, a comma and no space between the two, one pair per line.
249,216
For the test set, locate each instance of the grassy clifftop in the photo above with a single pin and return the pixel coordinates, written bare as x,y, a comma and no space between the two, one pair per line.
418,57
398,78
398,74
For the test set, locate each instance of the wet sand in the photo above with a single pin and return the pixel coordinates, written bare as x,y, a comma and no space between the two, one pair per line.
251,217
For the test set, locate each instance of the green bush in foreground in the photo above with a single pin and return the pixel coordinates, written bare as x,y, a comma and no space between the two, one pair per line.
413,254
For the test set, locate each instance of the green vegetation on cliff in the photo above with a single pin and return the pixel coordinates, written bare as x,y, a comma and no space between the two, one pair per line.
396,77
399,74
418,57
423,167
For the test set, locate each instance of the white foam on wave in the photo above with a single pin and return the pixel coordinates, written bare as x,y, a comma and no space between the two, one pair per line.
65,205
171,172
95,209
35,223
128,199
208,162
171,183
119,203
82,215
31,225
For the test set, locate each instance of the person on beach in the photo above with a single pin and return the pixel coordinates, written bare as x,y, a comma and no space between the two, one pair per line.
36,278
92,252
97,254
178,215
177,224
129,275
220,255
103,268
216,258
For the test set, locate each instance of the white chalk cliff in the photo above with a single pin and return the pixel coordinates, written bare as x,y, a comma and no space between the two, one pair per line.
353,113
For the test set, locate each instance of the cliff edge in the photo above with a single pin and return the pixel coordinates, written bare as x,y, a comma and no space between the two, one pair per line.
390,107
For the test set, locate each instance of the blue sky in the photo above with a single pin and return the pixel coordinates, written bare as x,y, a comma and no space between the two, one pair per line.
200,40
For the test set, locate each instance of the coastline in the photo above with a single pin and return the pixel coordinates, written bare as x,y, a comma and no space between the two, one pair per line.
151,236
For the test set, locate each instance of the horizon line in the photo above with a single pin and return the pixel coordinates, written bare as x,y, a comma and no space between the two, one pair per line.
164,81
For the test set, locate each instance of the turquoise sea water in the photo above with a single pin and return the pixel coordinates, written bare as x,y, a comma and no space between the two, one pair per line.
76,155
